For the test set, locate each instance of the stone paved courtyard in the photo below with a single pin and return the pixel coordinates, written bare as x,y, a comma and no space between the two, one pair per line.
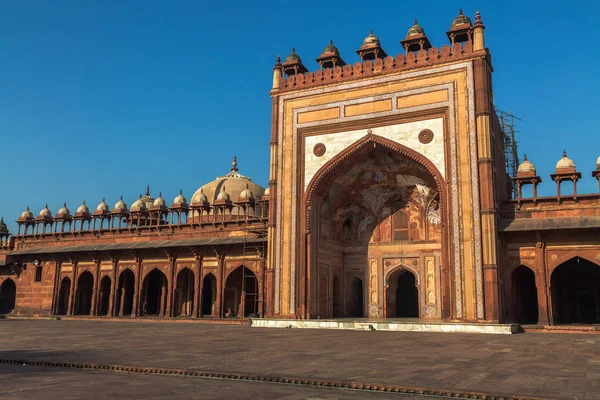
565,366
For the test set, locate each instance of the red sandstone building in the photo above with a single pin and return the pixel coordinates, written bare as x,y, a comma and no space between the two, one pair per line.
388,197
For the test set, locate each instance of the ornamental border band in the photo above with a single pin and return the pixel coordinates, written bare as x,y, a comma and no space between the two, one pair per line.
390,195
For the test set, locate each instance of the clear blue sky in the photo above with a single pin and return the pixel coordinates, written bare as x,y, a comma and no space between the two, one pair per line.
100,98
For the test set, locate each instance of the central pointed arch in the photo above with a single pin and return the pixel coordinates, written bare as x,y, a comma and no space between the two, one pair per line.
360,152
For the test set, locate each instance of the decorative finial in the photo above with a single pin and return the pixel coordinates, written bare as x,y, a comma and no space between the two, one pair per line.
27,208
477,16
460,12
525,157
148,190
234,164
103,200
293,49
223,188
278,60
121,197
64,204
201,190
181,192
416,23
47,205
83,203
371,32
140,196
564,153
330,42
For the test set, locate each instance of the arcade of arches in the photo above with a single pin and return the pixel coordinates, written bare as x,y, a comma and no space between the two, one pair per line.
377,217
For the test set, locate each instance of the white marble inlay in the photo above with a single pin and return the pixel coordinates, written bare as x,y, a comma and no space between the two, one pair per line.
406,134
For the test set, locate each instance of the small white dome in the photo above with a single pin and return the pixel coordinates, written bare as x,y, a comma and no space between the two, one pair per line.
598,163
565,162
27,213
159,202
180,200
120,206
223,195
102,206
83,209
267,191
246,194
199,197
45,213
64,210
139,205
526,166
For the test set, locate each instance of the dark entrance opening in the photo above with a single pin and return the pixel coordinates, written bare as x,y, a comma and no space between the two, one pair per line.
241,293
337,298
8,295
525,295
355,298
575,287
184,293
407,296
104,296
124,303
83,297
154,293
63,296
209,291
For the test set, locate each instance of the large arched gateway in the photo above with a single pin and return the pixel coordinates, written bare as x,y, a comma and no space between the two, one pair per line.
8,295
575,288
374,206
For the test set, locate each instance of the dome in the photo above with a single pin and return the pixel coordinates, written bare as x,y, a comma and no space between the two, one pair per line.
598,163
460,20
223,195
27,213
83,209
331,48
120,206
416,29
139,205
180,200
526,166
64,210
159,202
235,182
246,194
103,207
3,227
45,213
371,40
565,162
148,199
293,56
267,192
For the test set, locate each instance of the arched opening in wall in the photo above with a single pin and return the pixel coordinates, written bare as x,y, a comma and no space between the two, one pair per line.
241,293
402,295
104,296
336,298
124,303
154,293
209,294
376,197
323,296
8,296
355,298
63,296
575,288
184,293
525,295
83,297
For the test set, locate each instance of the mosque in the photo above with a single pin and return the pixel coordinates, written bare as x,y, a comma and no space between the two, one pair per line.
388,197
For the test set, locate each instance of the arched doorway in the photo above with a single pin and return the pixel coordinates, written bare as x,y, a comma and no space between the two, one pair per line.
85,290
355,298
371,198
241,293
209,294
8,295
525,295
104,296
184,293
575,287
402,295
63,296
154,293
124,302
337,298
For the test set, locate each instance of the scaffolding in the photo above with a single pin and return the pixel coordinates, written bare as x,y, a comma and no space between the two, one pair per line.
511,155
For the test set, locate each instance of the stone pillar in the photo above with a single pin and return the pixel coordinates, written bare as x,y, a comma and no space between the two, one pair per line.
541,283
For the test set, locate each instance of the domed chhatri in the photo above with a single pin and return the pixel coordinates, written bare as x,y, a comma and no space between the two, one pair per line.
461,20
565,163
246,194
139,205
83,209
120,206
159,202
27,214
293,56
371,40
526,166
45,213
63,211
235,183
180,200
102,207
416,29
330,48
330,57
3,227
223,195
